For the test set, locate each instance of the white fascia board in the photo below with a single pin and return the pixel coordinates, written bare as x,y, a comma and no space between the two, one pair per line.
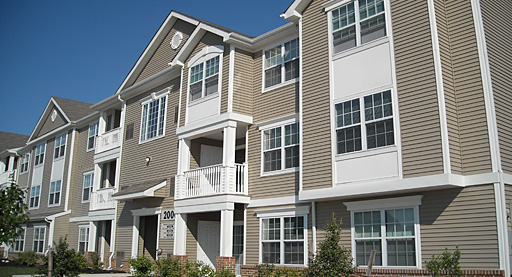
107,213
53,216
210,203
147,211
259,42
142,194
45,111
276,201
157,79
107,103
212,123
50,134
289,211
393,186
60,109
296,8
386,203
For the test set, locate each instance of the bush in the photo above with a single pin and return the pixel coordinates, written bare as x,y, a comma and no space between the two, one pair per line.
169,267
199,269
66,262
30,258
331,259
267,269
445,264
142,266
94,261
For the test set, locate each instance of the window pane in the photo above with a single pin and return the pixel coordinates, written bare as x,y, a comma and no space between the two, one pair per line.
212,67
272,160
212,85
292,156
364,250
291,134
272,76
271,252
344,39
273,57
294,252
291,50
291,70
195,91
348,139
380,134
401,252
373,28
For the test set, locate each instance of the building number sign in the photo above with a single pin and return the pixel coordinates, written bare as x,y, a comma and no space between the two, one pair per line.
167,215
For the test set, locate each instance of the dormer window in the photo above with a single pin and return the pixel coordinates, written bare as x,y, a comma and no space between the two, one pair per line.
351,28
281,63
204,82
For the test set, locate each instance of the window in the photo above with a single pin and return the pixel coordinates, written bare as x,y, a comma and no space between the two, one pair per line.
283,240
153,119
39,154
39,235
60,146
129,131
279,142
83,239
376,116
281,63
55,189
87,190
351,28
91,136
204,78
19,243
24,163
35,192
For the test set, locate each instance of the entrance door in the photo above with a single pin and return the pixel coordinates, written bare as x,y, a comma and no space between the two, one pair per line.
208,241
148,235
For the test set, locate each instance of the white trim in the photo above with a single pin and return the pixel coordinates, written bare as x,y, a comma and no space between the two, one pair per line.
331,5
280,212
244,251
200,127
44,237
88,172
301,109
155,96
276,122
50,193
60,157
71,158
280,43
277,201
445,144
150,192
147,211
40,121
386,203
231,77
205,54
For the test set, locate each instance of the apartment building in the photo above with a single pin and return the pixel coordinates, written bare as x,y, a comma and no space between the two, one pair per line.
235,150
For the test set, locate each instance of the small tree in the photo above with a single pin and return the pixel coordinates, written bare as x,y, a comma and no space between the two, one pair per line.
445,264
66,262
331,259
13,215
170,267
142,265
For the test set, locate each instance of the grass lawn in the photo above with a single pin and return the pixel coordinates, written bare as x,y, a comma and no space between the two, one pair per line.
16,270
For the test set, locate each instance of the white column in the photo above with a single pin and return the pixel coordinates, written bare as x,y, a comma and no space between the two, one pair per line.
11,163
180,235
93,229
102,242
135,236
229,144
184,156
102,123
226,233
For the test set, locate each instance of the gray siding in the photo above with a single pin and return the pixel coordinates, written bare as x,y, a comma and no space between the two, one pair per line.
243,82
47,124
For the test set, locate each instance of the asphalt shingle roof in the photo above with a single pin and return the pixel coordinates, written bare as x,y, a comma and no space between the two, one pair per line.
74,110
12,140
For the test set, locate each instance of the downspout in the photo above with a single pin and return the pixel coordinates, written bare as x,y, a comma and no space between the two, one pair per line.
71,151
313,225
50,221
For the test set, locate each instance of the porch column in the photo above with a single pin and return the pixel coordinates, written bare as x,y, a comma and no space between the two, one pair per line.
228,159
93,229
180,235
102,123
11,164
184,156
226,233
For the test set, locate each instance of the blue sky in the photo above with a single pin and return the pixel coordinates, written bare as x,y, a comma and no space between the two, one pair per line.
83,49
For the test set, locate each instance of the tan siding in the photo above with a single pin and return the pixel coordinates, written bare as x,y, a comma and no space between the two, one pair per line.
225,80
207,40
508,202
45,186
62,230
498,37
165,54
416,77
324,211
252,237
243,82
192,231
195,150
316,144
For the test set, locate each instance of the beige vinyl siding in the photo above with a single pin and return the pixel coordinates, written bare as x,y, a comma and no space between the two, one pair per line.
23,177
417,93
208,39
192,231
243,82
495,14
62,230
45,185
195,150
508,202
461,217
324,211
165,54
47,125
225,80
316,144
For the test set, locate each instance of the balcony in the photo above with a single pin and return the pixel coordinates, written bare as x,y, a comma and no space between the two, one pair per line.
8,177
102,199
212,180
108,140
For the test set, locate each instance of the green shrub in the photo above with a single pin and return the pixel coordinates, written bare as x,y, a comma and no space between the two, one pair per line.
289,272
269,270
66,262
445,264
331,259
199,269
223,273
169,267
265,270
30,258
142,266
94,261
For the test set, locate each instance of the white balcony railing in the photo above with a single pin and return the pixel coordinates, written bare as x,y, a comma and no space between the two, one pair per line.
212,180
108,140
8,177
102,199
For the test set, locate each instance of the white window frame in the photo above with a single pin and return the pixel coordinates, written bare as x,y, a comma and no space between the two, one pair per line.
32,195
20,241
382,205
60,146
280,123
24,163
52,194
281,64
81,229
37,229
161,118
363,123
282,213
95,127
206,54
204,78
331,6
90,188
39,156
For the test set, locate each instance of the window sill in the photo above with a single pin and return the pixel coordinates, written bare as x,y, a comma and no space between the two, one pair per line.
279,172
58,158
292,81
34,208
203,99
89,150
24,172
151,139
366,153
360,48
39,165
54,205
86,201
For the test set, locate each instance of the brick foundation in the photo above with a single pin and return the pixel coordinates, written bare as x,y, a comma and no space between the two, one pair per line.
226,263
183,259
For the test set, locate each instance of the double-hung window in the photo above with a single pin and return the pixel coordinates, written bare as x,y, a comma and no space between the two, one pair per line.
283,240
55,191
39,236
39,154
60,146
91,136
364,123
24,163
279,142
356,23
87,188
204,78
281,63
153,118
19,243
35,193
83,239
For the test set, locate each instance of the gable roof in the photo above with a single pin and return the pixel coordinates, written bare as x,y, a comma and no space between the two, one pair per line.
11,140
